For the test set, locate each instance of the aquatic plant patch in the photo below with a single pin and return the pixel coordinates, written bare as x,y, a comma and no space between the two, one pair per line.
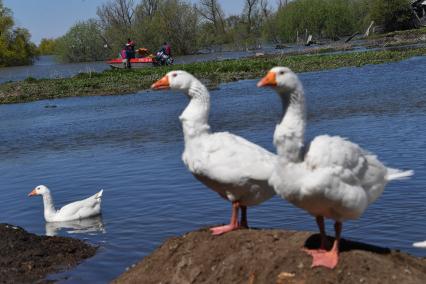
116,82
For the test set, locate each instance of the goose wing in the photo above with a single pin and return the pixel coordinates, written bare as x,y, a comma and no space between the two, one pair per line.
88,207
348,163
228,159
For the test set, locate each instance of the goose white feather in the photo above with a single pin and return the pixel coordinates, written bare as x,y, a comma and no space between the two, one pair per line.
237,169
420,244
77,210
334,178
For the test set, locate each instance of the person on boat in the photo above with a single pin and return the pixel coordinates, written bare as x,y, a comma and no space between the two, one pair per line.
167,49
131,44
164,55
129,55
124,57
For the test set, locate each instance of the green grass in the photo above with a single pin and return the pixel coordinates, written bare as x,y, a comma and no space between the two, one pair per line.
114,82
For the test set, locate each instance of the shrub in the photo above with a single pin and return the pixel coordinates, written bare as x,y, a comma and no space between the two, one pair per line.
15,45
392,14
83,42
321,18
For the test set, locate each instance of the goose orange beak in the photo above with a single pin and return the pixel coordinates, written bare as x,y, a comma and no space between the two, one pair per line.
163,83
32,193
268,80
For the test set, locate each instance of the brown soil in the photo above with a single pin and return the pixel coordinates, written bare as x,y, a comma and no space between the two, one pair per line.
268,256
27,258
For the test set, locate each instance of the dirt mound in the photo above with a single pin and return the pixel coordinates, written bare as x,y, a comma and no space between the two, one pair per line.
268,256
26,258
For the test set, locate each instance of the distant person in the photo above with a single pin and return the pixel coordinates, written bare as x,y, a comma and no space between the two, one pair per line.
129,55
168,49
131,44
125,59
164,55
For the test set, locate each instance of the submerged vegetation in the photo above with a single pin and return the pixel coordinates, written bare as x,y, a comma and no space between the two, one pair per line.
113,82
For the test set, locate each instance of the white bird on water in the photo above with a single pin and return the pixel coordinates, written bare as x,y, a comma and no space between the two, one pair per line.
235,168
334,178
86,208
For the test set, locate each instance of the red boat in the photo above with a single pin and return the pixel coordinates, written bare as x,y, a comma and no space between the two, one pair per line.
135,62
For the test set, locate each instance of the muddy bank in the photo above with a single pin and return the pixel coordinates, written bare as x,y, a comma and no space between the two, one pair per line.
398,38
268,256
27,258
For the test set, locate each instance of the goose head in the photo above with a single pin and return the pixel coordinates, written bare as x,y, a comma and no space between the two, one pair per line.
176,80
39,190
282,79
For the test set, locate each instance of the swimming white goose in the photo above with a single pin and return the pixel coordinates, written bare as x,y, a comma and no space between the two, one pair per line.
86,208
333,179
235,168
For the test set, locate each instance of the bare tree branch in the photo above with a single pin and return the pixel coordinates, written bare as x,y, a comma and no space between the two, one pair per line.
147,8
117,13
211,11
249,8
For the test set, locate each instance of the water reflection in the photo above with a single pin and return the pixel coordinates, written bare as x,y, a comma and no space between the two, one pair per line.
91,226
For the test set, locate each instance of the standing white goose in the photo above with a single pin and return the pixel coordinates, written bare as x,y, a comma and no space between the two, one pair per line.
86,208
334,179
235,168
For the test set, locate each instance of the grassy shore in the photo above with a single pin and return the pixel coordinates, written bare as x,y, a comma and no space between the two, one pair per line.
114,82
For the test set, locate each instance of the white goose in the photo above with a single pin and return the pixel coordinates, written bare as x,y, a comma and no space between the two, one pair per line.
333,179
86,208
235,168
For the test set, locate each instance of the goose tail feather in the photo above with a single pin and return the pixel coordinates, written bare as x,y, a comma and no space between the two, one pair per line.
395,174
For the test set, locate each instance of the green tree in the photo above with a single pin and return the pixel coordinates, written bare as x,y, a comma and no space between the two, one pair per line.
321,18
117,20
15,45
83,42
174,21
392,14
47,46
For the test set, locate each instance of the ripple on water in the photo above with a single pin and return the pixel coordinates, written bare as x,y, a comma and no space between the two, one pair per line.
131,147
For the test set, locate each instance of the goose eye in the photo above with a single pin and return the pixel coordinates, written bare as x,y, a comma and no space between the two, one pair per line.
174,74
281,72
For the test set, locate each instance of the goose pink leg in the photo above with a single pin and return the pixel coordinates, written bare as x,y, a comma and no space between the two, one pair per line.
323,236
233,225
325,258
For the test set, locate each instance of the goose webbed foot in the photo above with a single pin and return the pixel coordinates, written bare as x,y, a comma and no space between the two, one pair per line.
233,224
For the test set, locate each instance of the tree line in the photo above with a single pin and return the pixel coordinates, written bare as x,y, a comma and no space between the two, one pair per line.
204,25
15,45
192,27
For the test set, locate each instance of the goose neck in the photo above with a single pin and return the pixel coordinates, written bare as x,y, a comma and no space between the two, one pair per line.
49,208
289,133
195,116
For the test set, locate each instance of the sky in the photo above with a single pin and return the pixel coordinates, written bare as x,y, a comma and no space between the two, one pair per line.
53,18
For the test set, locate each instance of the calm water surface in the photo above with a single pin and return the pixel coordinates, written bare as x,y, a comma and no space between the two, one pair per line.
131,147
48,67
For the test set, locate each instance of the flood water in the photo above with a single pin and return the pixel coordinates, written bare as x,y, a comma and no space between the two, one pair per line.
48,67
131,147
